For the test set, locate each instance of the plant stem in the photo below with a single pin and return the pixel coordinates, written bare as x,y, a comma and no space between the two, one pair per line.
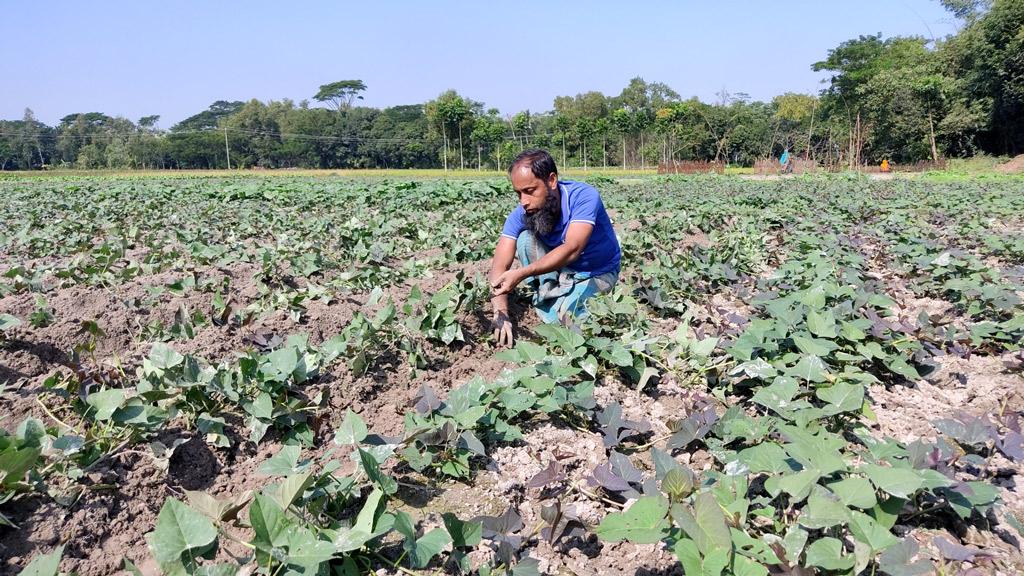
593,496
50,414
651,443
108,455
401,569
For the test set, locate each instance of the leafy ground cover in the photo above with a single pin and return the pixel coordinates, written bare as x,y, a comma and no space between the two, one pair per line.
295,375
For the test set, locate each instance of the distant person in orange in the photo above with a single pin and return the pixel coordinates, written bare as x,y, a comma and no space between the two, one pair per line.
885,165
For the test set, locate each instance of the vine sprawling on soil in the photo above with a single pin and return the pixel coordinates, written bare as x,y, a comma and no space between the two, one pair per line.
295,376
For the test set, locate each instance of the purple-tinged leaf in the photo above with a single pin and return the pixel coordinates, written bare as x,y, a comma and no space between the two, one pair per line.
966,429
1012,446
923,455
615,429
608,480
553,473
508,523
624,468
426,400
470,442
693,427
1011,420
561,522
444,435
953,551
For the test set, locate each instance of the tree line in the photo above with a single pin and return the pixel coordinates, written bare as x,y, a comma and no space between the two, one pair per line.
905,99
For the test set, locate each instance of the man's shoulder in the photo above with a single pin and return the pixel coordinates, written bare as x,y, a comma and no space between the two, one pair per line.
579,189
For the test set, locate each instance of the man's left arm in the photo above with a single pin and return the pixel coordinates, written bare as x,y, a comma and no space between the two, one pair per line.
577,235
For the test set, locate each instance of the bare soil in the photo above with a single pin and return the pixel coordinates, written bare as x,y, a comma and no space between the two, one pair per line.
122,497
1014,166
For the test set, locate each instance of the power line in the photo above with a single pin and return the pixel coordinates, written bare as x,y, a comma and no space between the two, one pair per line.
109,136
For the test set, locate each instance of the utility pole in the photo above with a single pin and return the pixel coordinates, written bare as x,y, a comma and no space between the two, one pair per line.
226,149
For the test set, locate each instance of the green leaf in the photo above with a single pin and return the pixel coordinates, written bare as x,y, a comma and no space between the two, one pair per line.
352,430
900,366
371,511
753,548
810,368
765,457
15,463
865,529
269,525
526,567
283,362
706,526
284,463
371,466
842,397
44,564
364,529
743,566
814,297
644,522
755,369
854,491
420,550
822,324
820,451
696,564
823,510
291,488
464,534
620,356
6,323
793,542
897,560
827,553
164,357
181,535
813,346
703,348
799,485
900,482
678,483
307,551
130,567
106,402
871,350
778,396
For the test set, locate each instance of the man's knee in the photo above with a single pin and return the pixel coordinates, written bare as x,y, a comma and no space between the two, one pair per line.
526,244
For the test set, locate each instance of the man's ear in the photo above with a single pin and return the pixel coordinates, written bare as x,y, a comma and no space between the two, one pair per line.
553,180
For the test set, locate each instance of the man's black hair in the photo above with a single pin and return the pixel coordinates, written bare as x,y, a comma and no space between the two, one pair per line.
540,162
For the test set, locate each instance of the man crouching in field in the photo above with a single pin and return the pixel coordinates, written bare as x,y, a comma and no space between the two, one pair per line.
563,240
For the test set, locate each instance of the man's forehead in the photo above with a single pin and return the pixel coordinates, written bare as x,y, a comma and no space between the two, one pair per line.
522,177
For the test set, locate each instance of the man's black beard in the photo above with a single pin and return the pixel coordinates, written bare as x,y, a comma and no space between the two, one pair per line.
543,221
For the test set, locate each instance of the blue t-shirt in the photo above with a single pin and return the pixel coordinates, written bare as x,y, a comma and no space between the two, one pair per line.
580,203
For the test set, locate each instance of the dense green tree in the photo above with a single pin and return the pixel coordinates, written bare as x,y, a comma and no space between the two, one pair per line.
341,94
903,98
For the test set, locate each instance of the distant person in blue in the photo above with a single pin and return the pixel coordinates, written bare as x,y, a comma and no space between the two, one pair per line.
786,162
563,239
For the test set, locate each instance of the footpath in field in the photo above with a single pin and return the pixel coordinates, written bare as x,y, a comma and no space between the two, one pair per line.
295,375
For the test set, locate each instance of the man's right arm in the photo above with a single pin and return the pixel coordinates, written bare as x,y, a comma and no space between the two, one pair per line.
504,254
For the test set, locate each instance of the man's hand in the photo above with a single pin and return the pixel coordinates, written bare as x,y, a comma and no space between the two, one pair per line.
506,282
502,326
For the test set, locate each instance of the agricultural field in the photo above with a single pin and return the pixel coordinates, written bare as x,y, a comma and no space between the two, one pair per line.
296,375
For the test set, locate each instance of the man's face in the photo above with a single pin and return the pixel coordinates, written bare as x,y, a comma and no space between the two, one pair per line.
533,192
539,198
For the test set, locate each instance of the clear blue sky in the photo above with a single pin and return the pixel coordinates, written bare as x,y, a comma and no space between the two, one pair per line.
175,58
